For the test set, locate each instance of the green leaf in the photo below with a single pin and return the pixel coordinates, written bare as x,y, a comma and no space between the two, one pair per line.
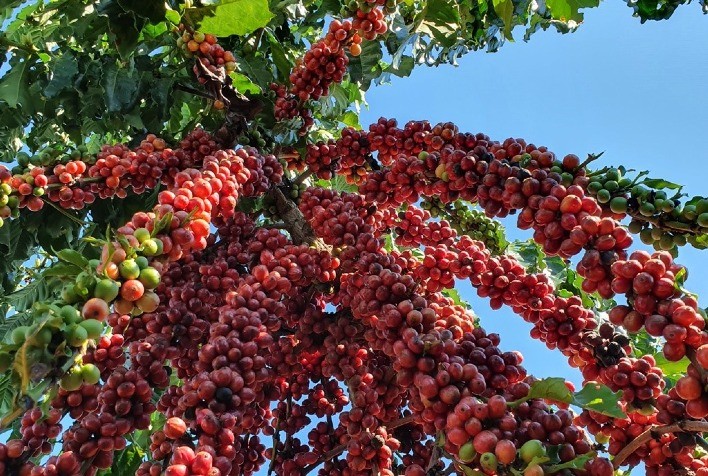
661,183
552,388
64,70
13,86
153,10
441,21
576,463
234,17
337,183
505,10
257,69
173,17
243,84
403,69
8,393
351,119
367,66
280,57
529,254
13,322
565,10
62,270
672,370
36,290
120,87
599,398
453,294
73,257
127,461
124,25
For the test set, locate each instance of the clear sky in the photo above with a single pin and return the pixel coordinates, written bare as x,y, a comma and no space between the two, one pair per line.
637,91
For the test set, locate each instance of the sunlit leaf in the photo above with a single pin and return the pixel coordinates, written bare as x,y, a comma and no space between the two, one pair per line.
234,17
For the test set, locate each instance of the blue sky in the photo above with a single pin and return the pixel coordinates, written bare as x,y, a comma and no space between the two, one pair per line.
637,91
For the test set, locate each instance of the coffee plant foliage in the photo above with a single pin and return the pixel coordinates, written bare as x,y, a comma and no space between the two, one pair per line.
211,267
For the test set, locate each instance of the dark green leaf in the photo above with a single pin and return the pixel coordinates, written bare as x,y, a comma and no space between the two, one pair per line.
403,69
13,86
36,290
120,87
127,461
367,66
153,10
280,57
8,393
62,270
64,71
125,26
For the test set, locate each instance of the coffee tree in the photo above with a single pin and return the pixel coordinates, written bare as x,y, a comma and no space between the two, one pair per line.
210,268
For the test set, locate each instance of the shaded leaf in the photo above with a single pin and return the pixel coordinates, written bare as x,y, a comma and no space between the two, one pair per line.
13,322
62,270
36,290
13,86
367,66
505,10
153,10
124,25
73,257
120,87
8,393
280,57
64,71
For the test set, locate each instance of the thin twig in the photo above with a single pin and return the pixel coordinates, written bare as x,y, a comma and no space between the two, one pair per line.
681,426
302,177
337,450
196,92
591,158
333,453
